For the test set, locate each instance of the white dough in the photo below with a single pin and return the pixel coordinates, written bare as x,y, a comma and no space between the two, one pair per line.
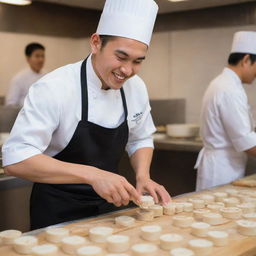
231,212
151,233
182,221
207,198
199,229
169,209
89,251
199,213
181,252
157,209
231,201
219,238
24,244
8,236
100,234
213,218
246,227
125,221
145,215
197,203
201,247
45,250
170,241
215,207
70,244
55,235
118,243
144,250
146,201
219,196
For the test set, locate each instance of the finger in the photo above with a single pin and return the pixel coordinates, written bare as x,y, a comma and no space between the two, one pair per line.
124,195
134,195
116,199
153,193
163,195
109,199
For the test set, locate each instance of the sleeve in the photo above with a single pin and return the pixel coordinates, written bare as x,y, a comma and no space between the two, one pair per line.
140,135
34,126
237,121
13,95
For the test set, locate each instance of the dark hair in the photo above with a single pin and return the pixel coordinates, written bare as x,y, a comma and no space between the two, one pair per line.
32,47
235,57
105,39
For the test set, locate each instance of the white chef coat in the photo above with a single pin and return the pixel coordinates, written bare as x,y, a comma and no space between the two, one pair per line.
20,85
52,111
227,129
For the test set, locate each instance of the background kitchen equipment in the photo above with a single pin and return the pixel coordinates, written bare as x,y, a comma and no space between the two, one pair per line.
182,130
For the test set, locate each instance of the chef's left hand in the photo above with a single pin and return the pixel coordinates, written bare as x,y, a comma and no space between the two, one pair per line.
157,191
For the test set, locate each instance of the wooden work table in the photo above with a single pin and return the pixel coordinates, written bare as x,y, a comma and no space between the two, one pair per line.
238,244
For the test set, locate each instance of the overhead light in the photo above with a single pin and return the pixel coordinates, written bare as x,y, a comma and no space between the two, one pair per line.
16,2
177,0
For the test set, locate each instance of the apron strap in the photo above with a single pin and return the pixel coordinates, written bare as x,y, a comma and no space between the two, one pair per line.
84,93
124,103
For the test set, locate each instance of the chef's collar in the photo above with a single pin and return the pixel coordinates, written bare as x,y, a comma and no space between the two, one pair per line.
92,77
33,72
233,74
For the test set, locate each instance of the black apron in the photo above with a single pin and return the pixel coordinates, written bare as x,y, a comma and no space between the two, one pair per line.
92,145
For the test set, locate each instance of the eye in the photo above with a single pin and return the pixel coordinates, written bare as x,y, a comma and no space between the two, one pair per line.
137,61
120,58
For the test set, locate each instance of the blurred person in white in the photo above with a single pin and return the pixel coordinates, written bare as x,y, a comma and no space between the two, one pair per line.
227,127
21,82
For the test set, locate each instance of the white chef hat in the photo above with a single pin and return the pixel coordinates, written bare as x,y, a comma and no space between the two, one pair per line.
244,42
132,19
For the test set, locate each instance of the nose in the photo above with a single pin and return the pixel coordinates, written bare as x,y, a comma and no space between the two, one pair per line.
127,69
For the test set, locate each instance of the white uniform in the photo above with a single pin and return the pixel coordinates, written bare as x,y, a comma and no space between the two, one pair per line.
227,130
52,111
20,85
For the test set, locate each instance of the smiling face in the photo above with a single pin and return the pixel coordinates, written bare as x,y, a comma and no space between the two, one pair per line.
117,61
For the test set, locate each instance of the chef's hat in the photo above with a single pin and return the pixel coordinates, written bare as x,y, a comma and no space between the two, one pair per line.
244,42
132,19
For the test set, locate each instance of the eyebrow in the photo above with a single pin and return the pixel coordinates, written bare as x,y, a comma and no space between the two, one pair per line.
127,55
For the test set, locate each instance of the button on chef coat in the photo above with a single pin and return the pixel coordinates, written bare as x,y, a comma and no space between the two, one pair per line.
52,111
227,130
20,85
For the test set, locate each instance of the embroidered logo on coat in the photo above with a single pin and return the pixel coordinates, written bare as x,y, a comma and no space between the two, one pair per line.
137,117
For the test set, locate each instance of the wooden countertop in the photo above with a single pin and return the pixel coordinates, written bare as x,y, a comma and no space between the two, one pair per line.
238,244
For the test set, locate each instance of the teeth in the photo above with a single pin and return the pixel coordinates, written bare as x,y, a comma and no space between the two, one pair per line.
119,77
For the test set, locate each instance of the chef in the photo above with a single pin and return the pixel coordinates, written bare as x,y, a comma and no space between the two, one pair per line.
21,82
227,128
78,120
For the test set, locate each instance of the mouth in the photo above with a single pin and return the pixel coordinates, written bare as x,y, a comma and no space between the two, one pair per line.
119,78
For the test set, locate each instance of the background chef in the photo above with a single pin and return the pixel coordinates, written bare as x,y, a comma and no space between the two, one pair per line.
21,82
227,127
78,120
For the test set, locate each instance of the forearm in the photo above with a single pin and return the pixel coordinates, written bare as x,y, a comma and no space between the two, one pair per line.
141,161
44,169
251,151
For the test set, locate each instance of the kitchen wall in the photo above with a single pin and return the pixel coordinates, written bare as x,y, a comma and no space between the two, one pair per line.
188,49
180,64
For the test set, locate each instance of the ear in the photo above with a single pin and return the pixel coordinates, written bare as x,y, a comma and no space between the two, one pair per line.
246,60
95,43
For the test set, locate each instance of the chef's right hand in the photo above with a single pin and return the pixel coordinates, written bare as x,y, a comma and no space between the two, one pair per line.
114,188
